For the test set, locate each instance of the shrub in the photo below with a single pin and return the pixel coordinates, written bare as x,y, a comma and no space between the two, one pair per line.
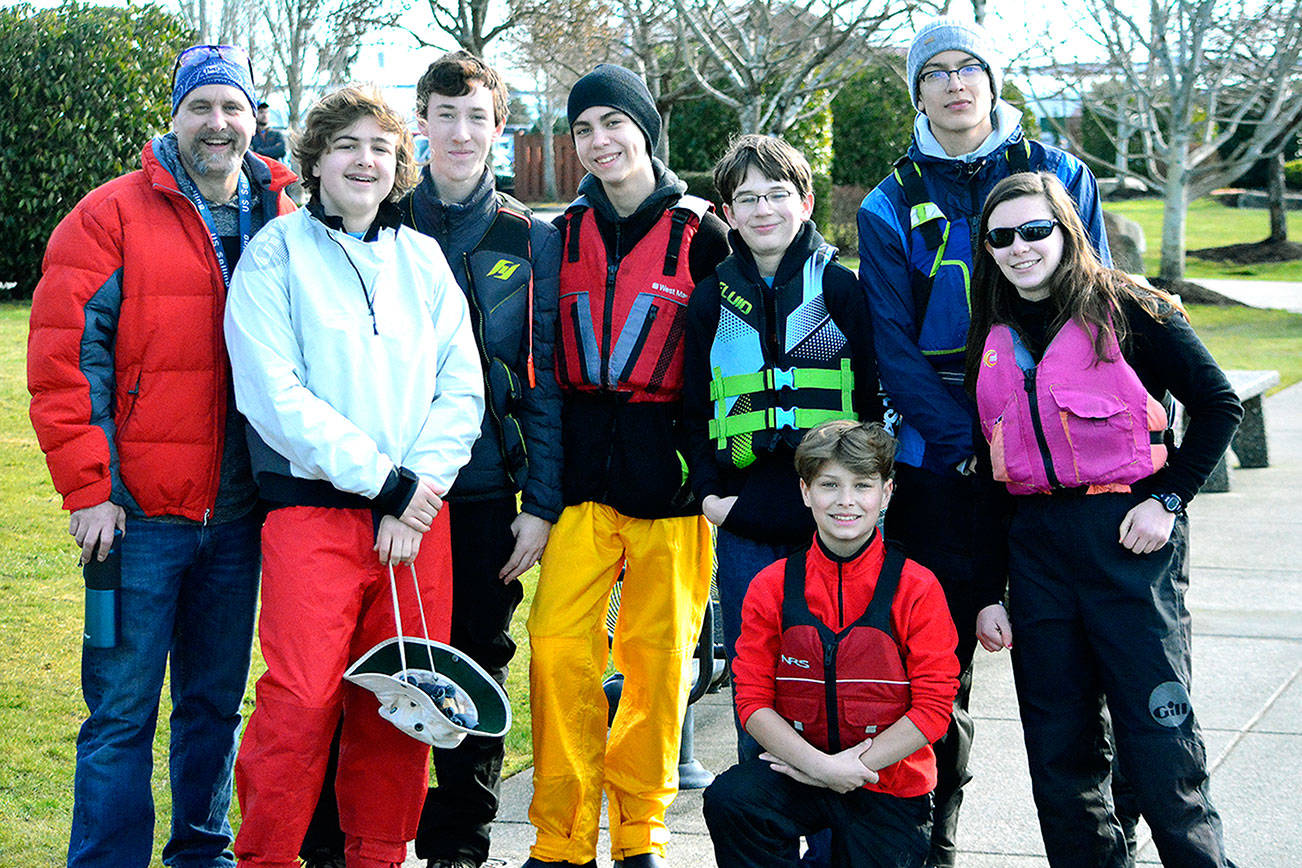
1293,174
872,123
93,88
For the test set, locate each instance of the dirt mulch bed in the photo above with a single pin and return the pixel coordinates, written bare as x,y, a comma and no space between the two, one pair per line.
1195,293
1252,254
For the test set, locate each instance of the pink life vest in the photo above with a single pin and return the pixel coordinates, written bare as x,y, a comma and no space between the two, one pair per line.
1069,421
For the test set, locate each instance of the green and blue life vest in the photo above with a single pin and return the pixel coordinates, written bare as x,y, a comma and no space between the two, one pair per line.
771,382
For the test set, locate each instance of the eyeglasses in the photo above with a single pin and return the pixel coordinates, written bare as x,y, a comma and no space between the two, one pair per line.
750,200
1031,230
198,55
935,79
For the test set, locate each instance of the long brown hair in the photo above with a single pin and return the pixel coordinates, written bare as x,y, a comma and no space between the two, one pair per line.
1081,288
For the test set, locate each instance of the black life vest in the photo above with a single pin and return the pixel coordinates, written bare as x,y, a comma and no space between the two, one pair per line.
500,272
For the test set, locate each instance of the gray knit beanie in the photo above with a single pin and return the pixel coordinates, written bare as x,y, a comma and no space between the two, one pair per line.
954,34
611,85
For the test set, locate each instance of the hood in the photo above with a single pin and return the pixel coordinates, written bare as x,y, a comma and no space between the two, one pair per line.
668,187
1007,120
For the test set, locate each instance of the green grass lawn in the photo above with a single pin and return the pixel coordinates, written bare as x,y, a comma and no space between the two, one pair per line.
41,618
1210,224
41,593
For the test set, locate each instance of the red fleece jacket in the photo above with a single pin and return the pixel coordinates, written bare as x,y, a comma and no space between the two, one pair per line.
837,593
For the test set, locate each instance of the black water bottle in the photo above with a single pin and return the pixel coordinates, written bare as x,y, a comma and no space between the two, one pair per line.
103,579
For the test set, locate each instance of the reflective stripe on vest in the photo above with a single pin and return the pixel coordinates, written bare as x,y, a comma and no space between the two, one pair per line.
621,323
1068,421
836,689
804,380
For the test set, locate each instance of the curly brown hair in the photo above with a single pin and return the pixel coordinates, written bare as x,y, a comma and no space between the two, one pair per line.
338,111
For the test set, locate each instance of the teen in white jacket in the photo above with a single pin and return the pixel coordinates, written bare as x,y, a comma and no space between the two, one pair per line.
356,368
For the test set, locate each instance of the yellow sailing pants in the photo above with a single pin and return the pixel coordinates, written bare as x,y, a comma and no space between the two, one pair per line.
666,587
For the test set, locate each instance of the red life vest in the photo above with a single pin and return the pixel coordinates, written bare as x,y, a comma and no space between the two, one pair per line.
1069,421
622,322
836,689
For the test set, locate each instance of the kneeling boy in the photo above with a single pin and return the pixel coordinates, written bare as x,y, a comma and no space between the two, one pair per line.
848,624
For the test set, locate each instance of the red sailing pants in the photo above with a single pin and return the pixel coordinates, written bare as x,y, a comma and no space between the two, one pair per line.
325,602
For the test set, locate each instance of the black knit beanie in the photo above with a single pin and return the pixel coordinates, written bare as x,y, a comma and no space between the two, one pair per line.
619,88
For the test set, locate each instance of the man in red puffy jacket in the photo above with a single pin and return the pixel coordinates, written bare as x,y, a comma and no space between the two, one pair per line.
132,405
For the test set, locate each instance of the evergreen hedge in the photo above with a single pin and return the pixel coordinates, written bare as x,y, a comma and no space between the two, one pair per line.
87,87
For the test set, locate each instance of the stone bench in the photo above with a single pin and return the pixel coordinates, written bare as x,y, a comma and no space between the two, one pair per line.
1249,443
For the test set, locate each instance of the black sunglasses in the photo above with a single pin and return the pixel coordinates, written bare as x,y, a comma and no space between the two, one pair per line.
1031,230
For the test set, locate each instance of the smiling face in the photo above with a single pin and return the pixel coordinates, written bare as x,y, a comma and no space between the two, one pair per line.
613,148
356,172
958,111
461,130
845,506
1027,265
768,227
213,127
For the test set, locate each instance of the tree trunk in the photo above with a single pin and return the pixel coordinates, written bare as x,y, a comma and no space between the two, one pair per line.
1175,206
662,146
1278,207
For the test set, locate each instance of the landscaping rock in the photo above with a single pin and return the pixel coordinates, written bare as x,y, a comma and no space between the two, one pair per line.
1126,240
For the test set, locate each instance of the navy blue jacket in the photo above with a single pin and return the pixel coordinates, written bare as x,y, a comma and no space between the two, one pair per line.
921,364
458,228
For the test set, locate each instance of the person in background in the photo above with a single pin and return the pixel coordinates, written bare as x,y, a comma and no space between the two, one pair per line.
268,141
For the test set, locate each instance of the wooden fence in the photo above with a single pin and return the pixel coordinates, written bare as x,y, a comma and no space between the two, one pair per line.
529,167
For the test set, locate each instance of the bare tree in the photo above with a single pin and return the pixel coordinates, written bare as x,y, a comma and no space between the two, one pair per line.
560,46
468,21
777,62
315,43
223,22
1202,89
654,45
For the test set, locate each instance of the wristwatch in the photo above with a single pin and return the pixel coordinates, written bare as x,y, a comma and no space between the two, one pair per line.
1170,501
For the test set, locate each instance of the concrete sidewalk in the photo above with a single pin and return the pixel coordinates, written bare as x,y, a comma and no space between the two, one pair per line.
1246,600
1282,294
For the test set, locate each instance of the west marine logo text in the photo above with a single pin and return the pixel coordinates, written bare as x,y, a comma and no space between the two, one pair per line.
503,269
668,290
735,300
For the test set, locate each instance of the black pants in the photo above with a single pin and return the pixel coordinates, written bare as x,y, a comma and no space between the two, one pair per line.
1092,621
454,824
945,523
756,815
